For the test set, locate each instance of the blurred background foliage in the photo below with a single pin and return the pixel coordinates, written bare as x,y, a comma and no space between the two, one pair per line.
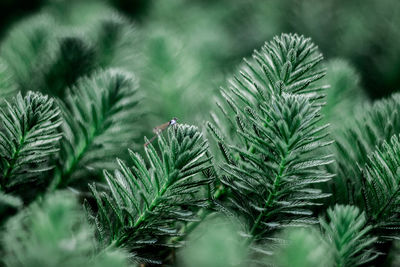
53,232
181,49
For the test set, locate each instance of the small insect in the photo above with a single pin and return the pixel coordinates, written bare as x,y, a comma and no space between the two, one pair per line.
157,130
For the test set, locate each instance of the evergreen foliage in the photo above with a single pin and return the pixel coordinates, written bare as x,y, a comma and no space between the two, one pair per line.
71,58
101,115
79,84
270,170
48,52
24,47
116,44
28,141
344,240
347,234
146,207
373,125
381,187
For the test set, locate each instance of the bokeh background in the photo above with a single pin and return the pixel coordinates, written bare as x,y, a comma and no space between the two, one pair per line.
182,50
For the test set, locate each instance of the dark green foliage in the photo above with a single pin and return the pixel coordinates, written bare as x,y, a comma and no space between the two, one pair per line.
271,181
270,127
101,116
24,47
374,124
381,187
344,240
49,53
288,64
71,58
347,234
54,233
277,155
28,141
355,30
144,207
117,44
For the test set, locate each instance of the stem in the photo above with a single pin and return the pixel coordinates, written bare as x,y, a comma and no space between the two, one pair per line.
61,176
270,199
375,217
144,215
203,213
153,204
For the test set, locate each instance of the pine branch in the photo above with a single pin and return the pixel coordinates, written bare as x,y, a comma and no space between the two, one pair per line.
28,141
144,208
272,183
347,234
275,156
373,125
117,44
69,58
24,46
46,56
101,116
381,189
344,240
